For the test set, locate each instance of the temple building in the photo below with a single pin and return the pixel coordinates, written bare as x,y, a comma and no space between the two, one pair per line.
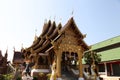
3,63
110,56
18,58
63,45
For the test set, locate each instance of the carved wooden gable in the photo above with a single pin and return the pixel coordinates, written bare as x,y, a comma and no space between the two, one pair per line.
71,33
69,37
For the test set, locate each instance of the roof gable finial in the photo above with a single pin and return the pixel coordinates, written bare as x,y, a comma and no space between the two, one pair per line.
54,18
60,20
45,21
6,54
21,46
50,18
35,34
72,13
14,48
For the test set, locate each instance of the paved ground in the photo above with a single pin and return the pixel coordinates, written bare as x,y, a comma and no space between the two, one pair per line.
110,77
68,76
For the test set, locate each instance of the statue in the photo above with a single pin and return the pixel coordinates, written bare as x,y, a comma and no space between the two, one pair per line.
94,73
53,68
91,73
27,64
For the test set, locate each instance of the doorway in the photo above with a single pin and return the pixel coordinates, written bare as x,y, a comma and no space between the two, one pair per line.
69,65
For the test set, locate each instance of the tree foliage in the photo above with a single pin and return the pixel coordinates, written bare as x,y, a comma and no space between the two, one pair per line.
90,56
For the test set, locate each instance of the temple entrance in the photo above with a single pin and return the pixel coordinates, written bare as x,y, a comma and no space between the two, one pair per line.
69,65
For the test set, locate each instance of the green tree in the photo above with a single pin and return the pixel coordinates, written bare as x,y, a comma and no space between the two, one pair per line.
91,56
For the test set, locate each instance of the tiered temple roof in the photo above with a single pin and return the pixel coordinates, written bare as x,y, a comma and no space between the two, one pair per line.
51,32
1,57
3,63
18,57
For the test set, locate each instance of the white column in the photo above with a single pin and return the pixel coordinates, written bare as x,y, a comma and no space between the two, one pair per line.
105,68
111,68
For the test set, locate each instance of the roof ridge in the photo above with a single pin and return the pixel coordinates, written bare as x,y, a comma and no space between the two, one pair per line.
107,39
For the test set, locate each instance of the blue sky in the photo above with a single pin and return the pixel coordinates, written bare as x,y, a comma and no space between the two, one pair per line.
99,19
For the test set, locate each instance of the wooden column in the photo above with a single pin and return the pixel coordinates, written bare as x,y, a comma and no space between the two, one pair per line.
36,61
80,52
59,64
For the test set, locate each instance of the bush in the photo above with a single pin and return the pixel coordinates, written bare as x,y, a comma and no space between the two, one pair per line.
35,78
18,78
2,77
6,77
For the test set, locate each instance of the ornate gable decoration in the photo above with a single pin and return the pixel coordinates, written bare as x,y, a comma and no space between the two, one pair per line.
71,35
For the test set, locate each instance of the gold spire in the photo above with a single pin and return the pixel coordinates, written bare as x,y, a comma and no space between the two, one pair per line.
22,47
60,20
14,48
84,36
54,18
6,54
35,38
72,13
45,21
50,18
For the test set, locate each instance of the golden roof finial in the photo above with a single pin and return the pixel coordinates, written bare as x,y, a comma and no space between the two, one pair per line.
72,13
7,49
60,20
50,18
14,48
22,46
6,54
54,18
45,21
35,34
84,36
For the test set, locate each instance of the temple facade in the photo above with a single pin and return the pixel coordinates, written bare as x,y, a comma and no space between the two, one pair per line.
62,45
